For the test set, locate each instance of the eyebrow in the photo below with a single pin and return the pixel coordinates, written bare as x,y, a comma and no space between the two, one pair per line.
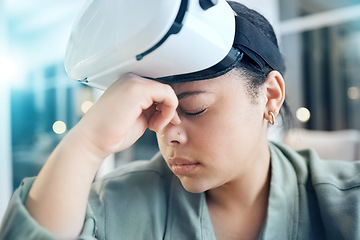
191,93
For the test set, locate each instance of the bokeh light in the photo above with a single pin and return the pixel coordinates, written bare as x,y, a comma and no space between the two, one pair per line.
59,127
303,114
353,93
85,106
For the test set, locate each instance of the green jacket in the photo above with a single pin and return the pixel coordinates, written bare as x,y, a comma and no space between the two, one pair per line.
309,199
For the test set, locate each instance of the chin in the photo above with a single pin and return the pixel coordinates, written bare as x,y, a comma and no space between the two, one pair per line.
193,187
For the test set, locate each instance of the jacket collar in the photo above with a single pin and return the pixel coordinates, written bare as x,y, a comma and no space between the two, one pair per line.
283,208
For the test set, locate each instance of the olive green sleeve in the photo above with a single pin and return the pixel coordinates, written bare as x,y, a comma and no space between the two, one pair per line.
19,224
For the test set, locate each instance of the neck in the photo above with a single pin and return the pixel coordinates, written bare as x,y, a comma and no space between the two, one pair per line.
239,208
249,191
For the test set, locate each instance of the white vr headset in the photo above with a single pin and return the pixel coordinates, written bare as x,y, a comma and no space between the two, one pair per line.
151,38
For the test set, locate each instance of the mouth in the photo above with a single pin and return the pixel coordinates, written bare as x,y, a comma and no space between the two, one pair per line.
181,166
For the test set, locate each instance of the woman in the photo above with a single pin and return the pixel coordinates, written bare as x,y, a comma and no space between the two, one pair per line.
217,176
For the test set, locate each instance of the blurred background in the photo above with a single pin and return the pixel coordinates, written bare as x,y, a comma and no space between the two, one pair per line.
320,41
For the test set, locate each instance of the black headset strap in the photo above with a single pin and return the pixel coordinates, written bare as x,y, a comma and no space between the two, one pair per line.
255,44
248,40
225,65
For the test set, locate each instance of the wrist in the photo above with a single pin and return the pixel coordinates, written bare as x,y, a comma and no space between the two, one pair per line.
77,143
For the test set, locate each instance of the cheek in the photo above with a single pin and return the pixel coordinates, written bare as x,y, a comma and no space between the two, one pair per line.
212,134
228,132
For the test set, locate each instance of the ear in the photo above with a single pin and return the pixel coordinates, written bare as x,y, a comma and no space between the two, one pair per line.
275,92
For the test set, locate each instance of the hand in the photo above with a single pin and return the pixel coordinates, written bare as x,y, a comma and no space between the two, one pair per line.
125,110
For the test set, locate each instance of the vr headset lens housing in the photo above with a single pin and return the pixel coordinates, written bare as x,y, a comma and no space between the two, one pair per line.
153,39
170,41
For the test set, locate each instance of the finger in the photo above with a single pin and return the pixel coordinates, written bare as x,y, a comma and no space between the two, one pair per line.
159,120
164,97
156,122
149,112
176,119
165,101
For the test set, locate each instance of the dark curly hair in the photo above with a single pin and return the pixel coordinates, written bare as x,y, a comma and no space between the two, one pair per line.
247,67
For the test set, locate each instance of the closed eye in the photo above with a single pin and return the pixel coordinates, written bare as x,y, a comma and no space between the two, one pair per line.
195,113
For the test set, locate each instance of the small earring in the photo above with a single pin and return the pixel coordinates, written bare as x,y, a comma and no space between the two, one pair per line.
272,120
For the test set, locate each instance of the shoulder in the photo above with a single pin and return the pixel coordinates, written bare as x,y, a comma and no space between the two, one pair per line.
327,192
139,181
132,195
310,168
156,166
141,173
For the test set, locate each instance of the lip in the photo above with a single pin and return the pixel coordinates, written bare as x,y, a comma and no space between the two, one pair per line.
182,166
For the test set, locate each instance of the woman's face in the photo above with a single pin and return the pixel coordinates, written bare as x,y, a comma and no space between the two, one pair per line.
221,135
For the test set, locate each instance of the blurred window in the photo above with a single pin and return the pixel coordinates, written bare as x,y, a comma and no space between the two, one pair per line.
321,42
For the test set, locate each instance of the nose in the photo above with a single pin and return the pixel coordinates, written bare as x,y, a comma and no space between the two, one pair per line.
174,135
